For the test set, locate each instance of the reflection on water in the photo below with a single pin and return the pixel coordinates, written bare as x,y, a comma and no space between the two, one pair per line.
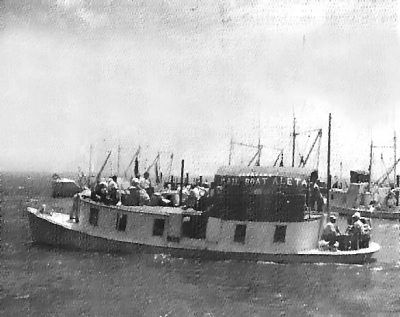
39,281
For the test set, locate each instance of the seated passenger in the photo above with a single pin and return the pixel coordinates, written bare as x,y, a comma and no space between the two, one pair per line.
155,199
137,195
331,232
132,194
112,183
100,194
194,196
390,200
144,198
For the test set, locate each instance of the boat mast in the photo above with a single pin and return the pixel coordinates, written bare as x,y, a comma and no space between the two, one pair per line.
89,180
294,139
131,162
395,158
102,167
118,158
259,143
181,187
230,151
328,183
370,166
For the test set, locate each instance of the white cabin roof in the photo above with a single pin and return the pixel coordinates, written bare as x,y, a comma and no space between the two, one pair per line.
64,180
240,170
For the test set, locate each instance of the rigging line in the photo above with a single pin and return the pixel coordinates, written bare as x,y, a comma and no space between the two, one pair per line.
318,152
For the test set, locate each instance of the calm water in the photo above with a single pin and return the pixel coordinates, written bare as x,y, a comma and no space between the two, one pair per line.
40,281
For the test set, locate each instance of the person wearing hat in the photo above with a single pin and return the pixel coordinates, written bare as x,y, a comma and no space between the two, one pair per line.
331,231
357,230
113,190
357,224
100,193
132,197
138,196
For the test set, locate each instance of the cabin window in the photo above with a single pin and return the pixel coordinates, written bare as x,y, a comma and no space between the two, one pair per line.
121,222
280,233
194,226
94,216
240,233
158,227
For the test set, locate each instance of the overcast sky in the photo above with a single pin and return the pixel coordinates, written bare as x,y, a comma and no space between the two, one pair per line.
186,76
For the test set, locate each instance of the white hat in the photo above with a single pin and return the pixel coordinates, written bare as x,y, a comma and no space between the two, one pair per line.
356,215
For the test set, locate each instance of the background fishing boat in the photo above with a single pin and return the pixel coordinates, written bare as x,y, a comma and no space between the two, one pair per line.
374,198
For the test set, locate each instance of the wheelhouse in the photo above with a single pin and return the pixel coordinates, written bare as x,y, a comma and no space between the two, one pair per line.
265,194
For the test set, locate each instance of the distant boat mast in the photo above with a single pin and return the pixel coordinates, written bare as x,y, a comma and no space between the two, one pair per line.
89,180
395,159
118,158
328,183
294,134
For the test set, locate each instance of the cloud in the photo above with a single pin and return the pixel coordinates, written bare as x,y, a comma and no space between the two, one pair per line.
185,77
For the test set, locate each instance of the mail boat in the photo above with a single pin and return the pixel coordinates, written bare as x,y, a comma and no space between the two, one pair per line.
257,213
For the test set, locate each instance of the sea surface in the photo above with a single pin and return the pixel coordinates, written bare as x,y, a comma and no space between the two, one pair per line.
43,281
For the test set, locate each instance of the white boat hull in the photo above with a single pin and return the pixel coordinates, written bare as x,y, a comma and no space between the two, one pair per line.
45,230
389,215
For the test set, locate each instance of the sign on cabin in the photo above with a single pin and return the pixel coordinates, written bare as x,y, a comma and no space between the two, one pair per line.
260,180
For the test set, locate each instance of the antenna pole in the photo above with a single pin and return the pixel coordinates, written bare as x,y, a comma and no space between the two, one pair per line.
258,153
395,158
182,173
259,141
230,152
370,166
294,139
328,183
118,158
89,180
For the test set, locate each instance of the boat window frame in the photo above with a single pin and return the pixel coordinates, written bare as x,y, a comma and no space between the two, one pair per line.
240,236
121,224
280,233
157,232
194,220
94,216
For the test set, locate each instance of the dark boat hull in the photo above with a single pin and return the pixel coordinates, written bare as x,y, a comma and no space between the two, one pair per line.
48,233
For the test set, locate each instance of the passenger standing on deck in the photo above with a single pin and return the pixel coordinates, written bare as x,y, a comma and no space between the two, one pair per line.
357,231
366,232
316,197
145,183
113,190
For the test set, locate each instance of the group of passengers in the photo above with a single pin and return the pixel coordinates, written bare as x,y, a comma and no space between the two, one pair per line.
194,196
109,192
356,236
141,192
